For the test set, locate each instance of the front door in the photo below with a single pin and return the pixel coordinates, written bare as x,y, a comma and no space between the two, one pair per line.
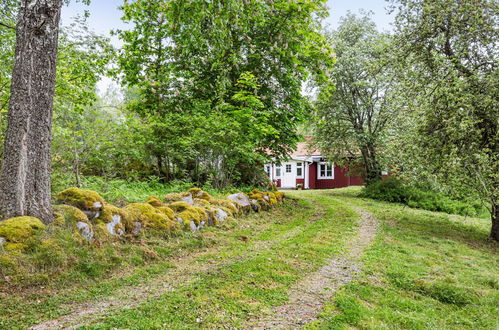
288,177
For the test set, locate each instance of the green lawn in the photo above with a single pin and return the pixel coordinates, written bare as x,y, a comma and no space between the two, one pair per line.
425,270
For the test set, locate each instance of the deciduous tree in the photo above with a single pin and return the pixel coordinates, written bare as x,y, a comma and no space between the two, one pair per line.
352,118
450,51
25,177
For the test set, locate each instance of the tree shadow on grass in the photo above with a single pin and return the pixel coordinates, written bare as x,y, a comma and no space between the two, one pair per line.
440,226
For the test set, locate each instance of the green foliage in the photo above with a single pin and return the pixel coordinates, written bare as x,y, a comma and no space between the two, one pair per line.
352,120
220,83
447,55
393,190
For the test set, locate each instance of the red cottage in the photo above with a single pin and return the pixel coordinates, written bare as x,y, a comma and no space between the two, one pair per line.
311,170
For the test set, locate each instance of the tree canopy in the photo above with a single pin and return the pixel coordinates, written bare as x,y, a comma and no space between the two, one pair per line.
353,117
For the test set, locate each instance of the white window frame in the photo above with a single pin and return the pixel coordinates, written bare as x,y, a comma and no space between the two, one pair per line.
268,170
326,177
302,167
290,168
278,168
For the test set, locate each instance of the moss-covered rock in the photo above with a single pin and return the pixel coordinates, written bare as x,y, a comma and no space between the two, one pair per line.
82,199
167,211
177,197
115,220
150,217
179,206
17,232
194,217
154,201
201,202
228,205
271,198
74,219
262,198
199,193
279,195
88,201
242,201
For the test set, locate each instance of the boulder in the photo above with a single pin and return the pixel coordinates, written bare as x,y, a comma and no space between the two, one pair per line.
116,221
188,199
150,217
85,230
199,193
220,214
88,201
16,232
240,198
74,219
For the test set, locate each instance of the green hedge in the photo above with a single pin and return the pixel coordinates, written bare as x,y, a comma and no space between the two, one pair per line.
392,190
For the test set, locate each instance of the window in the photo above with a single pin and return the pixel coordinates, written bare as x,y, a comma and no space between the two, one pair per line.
277,172
267,170
325,171
299,170
288,168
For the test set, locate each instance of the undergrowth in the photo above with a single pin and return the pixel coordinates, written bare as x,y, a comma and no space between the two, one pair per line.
392,190
120,192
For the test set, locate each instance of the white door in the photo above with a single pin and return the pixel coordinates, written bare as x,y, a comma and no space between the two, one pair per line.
288,175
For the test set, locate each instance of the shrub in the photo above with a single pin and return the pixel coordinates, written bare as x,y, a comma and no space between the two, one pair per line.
393,190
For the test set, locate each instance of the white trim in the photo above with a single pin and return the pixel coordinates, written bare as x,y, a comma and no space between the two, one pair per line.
302,176
305,172
280,172
326,177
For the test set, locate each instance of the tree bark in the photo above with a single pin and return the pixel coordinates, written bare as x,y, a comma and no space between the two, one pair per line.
25,176
373,172
494,231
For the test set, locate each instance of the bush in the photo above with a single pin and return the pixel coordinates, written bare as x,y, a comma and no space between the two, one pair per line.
393,190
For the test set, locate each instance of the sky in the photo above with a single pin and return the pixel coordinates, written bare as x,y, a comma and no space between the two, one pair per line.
105,16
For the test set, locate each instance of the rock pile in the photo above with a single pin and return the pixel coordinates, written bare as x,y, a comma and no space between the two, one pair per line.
90,218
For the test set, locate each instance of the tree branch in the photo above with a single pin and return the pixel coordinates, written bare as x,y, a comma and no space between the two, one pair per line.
7,26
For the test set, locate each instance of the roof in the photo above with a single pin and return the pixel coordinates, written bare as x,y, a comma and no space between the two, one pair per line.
303,148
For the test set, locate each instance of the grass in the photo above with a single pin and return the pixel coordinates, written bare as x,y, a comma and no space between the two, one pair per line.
245,277
425,270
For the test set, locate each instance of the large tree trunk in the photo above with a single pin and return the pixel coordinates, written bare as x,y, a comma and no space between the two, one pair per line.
25,176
